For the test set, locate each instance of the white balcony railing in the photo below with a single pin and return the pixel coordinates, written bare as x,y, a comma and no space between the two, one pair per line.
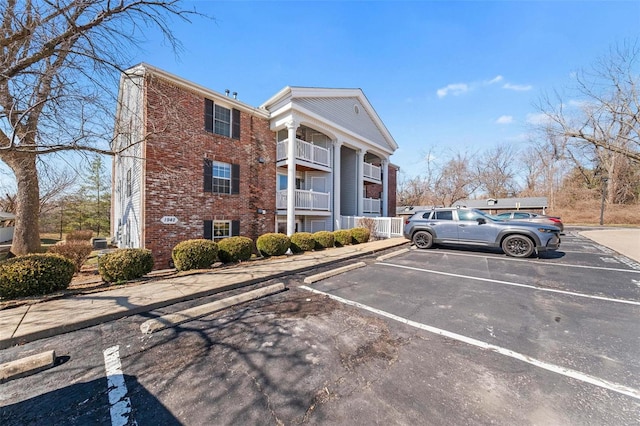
385,227
372,172
370,205
305,200
304,151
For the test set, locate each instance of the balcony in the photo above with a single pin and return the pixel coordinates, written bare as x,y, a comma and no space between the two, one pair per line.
371,172
305,200
304,151
371,205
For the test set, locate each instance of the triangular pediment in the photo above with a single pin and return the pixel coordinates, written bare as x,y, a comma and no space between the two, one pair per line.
344,109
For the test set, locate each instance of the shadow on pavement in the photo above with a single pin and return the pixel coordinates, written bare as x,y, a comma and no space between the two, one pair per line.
84,404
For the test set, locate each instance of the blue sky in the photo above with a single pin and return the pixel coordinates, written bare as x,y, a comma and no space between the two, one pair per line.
445,74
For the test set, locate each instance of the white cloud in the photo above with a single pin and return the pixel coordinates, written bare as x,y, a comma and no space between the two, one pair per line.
455,89
538,118
496,79
517,87
504,119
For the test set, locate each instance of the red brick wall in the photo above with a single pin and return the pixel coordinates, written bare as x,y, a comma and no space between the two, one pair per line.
174,184
393,188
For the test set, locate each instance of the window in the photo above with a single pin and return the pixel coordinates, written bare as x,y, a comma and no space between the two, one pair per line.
129,189
220,120
219,229
521,215
283,182
444,215
221,175
468,215
221,178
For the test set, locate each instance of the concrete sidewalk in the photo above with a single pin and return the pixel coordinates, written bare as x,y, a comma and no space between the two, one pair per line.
32,322
625,241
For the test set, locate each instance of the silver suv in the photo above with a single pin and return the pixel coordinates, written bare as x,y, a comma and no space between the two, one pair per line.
475,227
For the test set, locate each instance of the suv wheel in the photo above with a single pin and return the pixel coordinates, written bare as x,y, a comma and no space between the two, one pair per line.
423,239
517,246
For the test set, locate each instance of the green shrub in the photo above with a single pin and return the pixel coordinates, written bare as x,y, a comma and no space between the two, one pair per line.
34,275
79,235
194,254
76,251
324,239
342,237
273,244
360,235
125,264
235,249
302,241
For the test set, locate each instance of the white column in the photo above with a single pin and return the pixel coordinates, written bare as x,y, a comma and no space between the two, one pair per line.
360,186
385,188
336,184
291,178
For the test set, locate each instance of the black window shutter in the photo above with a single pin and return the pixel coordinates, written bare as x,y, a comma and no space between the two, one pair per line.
235,124
208,115
208,175
235,178
235,228
208,230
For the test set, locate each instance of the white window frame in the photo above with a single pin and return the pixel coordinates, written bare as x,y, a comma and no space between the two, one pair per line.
220,236
214,178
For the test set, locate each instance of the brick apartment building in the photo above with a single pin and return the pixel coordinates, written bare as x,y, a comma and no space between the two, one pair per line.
195,163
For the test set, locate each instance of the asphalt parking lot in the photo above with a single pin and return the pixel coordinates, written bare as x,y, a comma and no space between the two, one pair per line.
441,336
572,313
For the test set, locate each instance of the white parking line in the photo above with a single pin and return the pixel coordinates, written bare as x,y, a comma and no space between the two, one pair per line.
489,280
615,387
119,402
510,259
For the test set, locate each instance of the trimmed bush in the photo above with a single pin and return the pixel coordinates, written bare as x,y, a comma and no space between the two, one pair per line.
35,275
324,239
302,241
125,264
79,235
235,249
360,235
273,244
194,254
342,237
76,251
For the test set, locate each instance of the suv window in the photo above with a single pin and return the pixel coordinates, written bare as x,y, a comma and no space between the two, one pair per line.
468,215
426,215
443,215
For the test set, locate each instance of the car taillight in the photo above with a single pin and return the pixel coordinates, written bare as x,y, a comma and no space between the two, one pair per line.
555,219
406,222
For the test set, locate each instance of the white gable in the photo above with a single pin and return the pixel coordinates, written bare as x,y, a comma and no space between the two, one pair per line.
348,113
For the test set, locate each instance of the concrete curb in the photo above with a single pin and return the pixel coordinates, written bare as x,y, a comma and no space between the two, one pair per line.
27,366
167,321
331,273
393,254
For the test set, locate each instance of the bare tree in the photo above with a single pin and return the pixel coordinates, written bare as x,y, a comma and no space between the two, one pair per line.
608,105
455,181
603,120
413,191
495,171
58,70
54,183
